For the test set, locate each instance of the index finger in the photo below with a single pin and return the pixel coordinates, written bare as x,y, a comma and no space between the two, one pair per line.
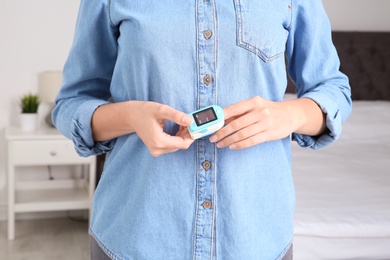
239,108
176,116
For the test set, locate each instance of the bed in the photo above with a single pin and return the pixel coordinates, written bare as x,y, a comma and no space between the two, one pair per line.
343,190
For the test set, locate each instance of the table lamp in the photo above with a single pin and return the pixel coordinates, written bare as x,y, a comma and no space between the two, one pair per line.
49,83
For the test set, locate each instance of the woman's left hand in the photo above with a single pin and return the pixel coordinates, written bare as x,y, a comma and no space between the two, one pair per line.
257,120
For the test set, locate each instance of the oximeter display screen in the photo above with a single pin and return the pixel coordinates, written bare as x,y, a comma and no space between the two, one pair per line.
205,116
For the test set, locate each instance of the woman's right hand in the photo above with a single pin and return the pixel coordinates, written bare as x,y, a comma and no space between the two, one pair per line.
148,119
145,118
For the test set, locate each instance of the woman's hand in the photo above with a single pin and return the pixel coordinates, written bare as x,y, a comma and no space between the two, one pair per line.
145,118
148,122
257,120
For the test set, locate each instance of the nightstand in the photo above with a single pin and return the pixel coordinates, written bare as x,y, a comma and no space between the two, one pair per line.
46,147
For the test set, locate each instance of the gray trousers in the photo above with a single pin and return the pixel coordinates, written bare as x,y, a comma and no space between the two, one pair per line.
98,254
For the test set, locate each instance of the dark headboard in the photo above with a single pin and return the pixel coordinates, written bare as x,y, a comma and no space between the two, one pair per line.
365,59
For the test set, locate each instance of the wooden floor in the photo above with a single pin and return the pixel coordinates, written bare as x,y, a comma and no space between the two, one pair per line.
45,239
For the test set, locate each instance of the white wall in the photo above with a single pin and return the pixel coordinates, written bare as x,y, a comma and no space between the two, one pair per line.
35,35
359,15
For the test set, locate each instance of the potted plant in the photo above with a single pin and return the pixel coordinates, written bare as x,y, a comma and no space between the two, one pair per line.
29,104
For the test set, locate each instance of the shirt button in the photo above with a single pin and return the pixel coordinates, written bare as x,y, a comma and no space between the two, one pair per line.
206,204
207,79
207,34
206,165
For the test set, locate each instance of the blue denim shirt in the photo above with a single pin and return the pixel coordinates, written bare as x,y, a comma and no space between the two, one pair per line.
204,202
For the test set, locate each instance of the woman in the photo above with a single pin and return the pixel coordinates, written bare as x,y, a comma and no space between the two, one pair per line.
230,195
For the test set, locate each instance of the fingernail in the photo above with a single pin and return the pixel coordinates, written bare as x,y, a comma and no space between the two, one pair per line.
220,144
213,138
232,147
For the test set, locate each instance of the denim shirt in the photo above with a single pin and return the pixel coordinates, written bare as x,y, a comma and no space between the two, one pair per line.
203,202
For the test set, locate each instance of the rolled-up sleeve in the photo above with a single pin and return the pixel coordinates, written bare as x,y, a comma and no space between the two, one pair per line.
87,77
80,130
313,66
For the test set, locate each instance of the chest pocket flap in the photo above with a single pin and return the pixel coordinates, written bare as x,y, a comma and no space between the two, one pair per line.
262,26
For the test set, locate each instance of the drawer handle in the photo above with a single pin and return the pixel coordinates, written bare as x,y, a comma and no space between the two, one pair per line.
53,153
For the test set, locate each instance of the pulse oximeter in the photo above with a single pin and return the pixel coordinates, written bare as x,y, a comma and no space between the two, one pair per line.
206,121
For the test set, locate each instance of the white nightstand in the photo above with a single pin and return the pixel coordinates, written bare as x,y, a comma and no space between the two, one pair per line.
45,146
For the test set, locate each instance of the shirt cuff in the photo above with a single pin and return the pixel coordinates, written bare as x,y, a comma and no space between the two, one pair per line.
81,130
333,123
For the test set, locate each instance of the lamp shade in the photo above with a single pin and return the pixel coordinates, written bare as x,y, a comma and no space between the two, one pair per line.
49,83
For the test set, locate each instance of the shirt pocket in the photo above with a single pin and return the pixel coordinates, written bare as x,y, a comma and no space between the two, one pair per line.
262,26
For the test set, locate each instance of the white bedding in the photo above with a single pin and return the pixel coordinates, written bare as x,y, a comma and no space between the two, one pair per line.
343,191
